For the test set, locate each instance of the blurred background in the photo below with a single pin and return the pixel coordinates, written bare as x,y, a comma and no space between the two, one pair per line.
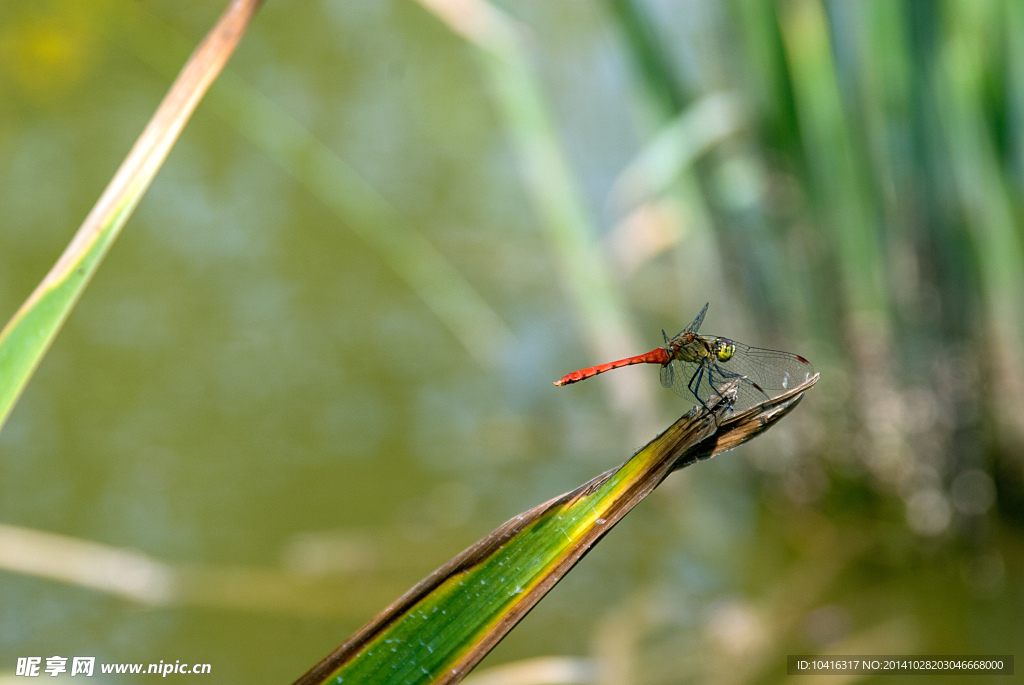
318,362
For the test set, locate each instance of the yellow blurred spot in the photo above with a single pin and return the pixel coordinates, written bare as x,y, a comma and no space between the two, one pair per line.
48,56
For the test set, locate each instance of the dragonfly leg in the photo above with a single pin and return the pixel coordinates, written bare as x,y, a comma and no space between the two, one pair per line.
711,382
723,376
729,375
694,386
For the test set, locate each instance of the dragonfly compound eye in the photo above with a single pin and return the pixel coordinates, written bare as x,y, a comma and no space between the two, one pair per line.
724,349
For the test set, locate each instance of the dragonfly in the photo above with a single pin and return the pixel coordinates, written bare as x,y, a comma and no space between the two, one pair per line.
698,366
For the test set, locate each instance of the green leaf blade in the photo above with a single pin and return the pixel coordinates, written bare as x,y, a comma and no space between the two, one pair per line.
30,332
441,628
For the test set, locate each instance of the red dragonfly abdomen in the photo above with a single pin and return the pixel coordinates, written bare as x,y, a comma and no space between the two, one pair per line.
657,356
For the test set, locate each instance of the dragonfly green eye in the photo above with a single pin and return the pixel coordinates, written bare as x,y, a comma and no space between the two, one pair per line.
724,349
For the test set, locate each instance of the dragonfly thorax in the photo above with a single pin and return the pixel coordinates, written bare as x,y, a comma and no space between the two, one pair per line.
697,348
688,347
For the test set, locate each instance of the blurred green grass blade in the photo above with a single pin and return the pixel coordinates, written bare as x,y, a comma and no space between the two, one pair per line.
765,80
673,149
831,157
32,329
364,211
427,272
551,186
650,54
441,628
700,267
989,210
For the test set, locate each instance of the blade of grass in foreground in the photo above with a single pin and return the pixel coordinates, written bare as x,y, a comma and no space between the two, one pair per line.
442,627
32,329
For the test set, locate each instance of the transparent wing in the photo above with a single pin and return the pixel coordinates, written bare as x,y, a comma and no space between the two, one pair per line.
668,376
692,328
772,370
690,380
763,373
695,324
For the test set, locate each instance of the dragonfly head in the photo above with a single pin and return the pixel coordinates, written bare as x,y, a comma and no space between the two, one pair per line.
723,349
